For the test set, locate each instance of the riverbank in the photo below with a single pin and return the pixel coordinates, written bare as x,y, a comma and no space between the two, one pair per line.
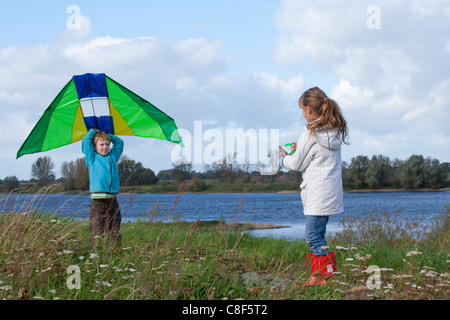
51,259
189,187
397,190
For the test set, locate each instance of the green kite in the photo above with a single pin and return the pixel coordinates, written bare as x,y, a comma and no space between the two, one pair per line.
97,101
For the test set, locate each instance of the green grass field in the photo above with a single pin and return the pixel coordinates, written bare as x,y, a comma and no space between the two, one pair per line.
379,256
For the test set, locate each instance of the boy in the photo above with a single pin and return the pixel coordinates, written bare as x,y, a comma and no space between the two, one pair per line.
101,161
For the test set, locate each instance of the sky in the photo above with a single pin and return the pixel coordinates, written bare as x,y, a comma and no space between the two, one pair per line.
222,65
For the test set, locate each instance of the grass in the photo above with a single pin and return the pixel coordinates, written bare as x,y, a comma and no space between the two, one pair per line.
43,256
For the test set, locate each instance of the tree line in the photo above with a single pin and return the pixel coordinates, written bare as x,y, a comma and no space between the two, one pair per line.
361,173
381,172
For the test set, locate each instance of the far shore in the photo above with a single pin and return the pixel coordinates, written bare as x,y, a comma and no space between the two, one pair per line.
381,190
225,188
397,190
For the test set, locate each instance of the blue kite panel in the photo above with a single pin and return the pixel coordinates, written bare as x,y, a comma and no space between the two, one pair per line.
91,85
103,123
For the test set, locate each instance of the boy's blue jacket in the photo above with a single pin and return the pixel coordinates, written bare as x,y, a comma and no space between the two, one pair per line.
103,172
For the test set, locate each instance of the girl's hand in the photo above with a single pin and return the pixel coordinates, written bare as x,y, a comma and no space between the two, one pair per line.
294,146
283,154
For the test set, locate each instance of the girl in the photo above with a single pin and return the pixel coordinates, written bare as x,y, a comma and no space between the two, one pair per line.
318,157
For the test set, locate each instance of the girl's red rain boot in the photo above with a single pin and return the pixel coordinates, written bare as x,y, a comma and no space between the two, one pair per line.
312,280
322,268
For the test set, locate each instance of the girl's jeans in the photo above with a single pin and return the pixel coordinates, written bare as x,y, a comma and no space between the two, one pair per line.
315,229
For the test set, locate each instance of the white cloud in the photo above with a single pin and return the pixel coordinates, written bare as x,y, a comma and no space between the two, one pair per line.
290,87
391,81
350,96
188,79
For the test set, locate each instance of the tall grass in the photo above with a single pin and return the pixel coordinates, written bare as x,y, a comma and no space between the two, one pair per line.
162,258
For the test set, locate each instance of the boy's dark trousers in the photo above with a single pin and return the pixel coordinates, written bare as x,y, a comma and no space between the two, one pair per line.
105,218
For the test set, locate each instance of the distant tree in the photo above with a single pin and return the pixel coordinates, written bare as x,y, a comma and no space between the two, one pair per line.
42,171
378,170
165,174
435,173
412,173
132,173
182,170
225,169
199,185
345,175
394,178
82,180
357,172
75,175
11,183
68,173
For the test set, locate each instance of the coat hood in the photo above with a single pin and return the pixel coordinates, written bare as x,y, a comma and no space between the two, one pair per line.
328,138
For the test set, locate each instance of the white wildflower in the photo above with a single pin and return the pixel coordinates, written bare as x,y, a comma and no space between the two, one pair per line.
93,256
6,288
386,269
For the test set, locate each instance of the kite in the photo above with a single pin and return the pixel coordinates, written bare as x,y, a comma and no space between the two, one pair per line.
94,100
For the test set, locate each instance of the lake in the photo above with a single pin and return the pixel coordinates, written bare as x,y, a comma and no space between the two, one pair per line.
275,208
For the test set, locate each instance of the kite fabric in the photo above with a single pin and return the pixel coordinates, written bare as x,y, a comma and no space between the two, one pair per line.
97,101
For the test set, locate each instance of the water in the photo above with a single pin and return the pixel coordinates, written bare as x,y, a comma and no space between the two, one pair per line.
275,208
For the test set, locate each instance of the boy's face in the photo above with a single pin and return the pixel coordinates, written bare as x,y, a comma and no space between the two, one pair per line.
102,147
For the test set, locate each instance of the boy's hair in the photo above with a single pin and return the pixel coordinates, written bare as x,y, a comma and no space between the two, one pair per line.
100,136
328,110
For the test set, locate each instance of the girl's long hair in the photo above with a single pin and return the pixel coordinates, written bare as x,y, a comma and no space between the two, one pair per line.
328,110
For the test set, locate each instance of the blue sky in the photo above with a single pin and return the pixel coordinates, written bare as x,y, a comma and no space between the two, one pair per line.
246,27
236,65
